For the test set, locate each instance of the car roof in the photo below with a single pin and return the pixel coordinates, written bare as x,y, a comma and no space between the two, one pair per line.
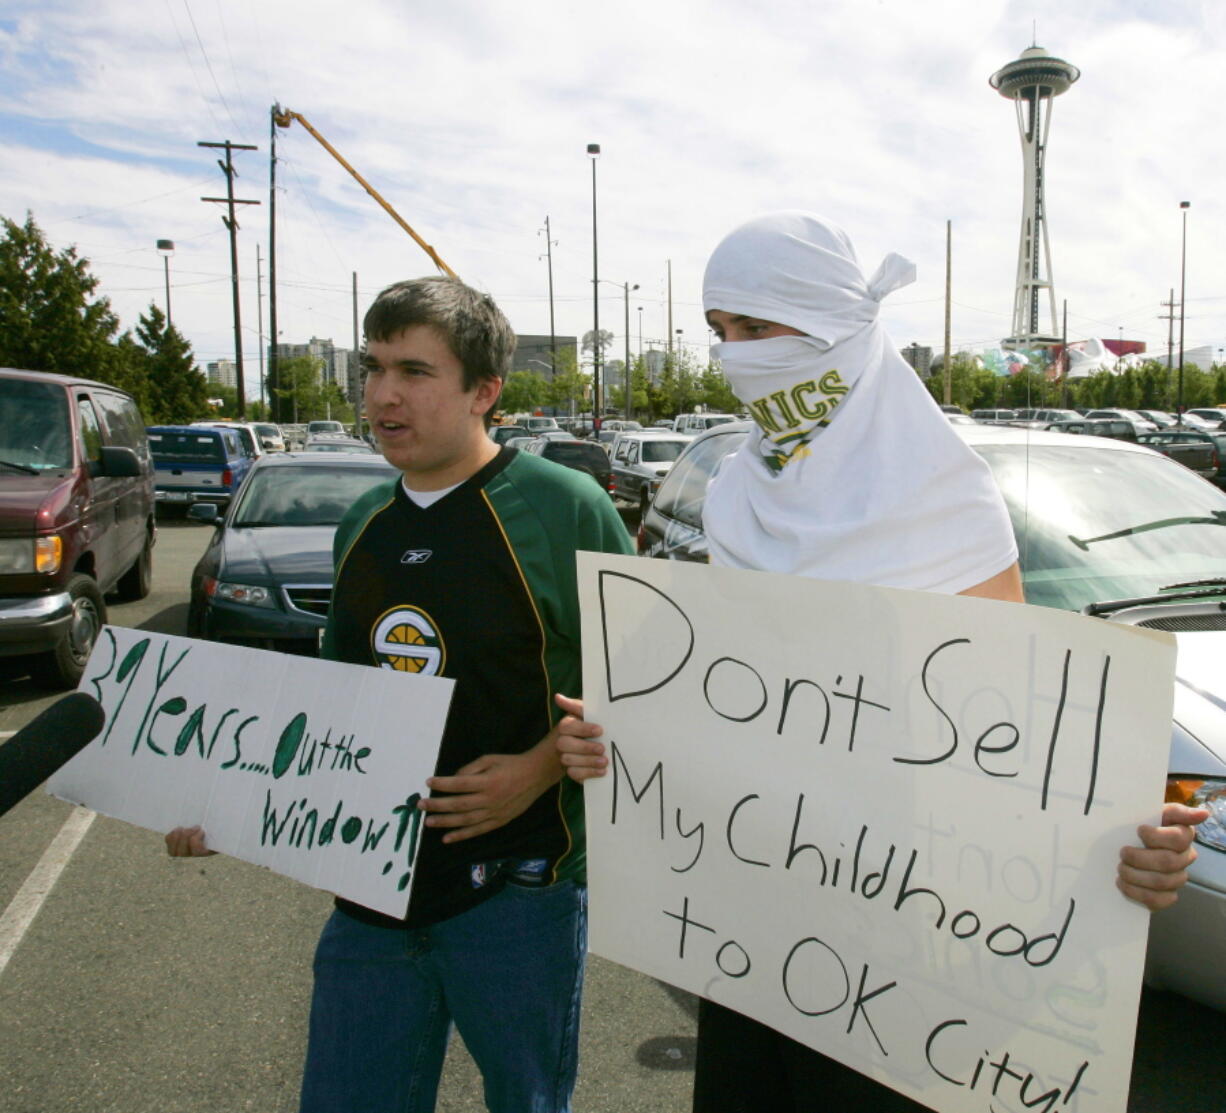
323,459
61,380
976,435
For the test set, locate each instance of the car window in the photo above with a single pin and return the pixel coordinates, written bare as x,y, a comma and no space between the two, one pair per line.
573,451
660,452
34,430
304,496
194,447
91,432
682,494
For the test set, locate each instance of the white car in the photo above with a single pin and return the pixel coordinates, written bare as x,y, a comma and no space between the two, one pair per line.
1112,529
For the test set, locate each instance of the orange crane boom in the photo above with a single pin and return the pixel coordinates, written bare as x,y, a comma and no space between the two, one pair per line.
284,117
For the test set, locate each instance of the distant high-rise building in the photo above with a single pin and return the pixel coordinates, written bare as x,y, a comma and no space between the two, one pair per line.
223,372
655,359
919,358
337,365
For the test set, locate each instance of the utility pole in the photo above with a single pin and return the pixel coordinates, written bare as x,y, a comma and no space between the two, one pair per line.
231,223
259,314
670,310
355,373
274,373
1169,317
948,360
553,340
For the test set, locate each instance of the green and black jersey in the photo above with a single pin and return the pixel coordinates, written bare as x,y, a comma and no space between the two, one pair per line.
480,587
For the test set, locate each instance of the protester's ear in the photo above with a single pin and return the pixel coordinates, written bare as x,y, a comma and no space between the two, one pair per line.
487,394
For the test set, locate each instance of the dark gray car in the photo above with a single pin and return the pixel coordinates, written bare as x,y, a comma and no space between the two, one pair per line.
265,579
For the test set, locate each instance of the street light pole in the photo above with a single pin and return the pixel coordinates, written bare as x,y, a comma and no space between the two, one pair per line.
166,248
1183,282
626,376
593,150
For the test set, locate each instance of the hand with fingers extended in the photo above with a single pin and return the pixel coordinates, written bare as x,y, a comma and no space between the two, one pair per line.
187,842
581,754
487,793
1153,873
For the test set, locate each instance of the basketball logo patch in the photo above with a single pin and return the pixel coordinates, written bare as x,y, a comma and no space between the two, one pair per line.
405,639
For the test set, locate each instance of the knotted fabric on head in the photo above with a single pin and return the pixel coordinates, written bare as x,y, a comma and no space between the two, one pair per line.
853,472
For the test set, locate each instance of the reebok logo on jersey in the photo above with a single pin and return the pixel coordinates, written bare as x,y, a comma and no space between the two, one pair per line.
416,556
406,639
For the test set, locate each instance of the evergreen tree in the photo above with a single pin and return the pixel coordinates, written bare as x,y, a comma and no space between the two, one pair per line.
49,318
178,393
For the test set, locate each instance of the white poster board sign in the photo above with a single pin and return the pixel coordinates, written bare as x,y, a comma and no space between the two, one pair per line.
308,767
885,823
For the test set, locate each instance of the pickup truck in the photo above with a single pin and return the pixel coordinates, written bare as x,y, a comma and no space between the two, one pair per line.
1197,451
196,463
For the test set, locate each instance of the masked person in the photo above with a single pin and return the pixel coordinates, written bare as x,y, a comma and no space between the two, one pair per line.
851,473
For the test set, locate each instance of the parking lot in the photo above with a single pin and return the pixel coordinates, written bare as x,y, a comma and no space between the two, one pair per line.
145,983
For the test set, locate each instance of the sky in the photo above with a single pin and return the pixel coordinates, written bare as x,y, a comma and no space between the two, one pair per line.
472,118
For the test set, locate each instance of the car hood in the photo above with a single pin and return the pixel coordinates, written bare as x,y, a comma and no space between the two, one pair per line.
1199,740
34,503
278,554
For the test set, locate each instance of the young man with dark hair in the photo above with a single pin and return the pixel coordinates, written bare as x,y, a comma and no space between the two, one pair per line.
494,939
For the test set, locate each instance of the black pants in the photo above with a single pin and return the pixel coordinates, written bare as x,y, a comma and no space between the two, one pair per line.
746,1067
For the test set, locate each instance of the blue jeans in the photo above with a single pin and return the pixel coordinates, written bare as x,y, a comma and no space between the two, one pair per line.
508,973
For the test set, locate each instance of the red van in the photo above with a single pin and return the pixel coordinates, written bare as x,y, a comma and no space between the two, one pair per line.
76,516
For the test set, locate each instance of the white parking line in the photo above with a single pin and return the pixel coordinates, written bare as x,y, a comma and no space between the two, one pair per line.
30,897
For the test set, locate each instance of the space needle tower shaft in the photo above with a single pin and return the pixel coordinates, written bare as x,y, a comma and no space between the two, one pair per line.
1031,81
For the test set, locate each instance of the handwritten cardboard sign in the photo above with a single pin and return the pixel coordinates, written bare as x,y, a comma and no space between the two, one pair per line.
308,767
885,823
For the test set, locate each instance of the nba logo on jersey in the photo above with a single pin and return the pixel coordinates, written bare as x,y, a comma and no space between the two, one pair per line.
405,639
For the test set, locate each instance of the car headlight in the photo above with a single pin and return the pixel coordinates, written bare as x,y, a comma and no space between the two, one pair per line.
251,595
1209,792
16,556
20,556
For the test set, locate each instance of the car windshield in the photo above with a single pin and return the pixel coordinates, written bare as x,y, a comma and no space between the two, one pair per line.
268,430
661,452
573,451
1095,525
35,433
304,496
196,447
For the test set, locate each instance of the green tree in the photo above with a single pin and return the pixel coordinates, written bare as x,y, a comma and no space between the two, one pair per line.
524,391
177,391
569,389
716,394
303,395
50,319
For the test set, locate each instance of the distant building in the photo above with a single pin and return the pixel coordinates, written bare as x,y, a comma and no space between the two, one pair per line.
920,358
223,372
655,359
338,365
534,353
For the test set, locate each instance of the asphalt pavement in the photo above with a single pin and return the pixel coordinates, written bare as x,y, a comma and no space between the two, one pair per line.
181,986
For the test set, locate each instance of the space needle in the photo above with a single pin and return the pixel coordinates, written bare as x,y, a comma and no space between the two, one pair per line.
1031,81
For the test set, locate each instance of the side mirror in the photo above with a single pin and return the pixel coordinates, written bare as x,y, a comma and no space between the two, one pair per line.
204,512
120,462
266,442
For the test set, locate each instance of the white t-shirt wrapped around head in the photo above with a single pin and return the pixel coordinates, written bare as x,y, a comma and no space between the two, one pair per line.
853,472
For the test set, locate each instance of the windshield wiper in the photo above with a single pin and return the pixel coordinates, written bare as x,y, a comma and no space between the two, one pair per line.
1217,518
19,467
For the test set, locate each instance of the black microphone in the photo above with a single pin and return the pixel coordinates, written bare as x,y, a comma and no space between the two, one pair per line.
45,743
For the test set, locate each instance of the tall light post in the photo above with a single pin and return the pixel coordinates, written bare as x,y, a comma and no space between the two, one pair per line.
640,308
593,150
1183,285
166,248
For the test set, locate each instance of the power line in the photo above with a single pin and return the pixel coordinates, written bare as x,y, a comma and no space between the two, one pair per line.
209,65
